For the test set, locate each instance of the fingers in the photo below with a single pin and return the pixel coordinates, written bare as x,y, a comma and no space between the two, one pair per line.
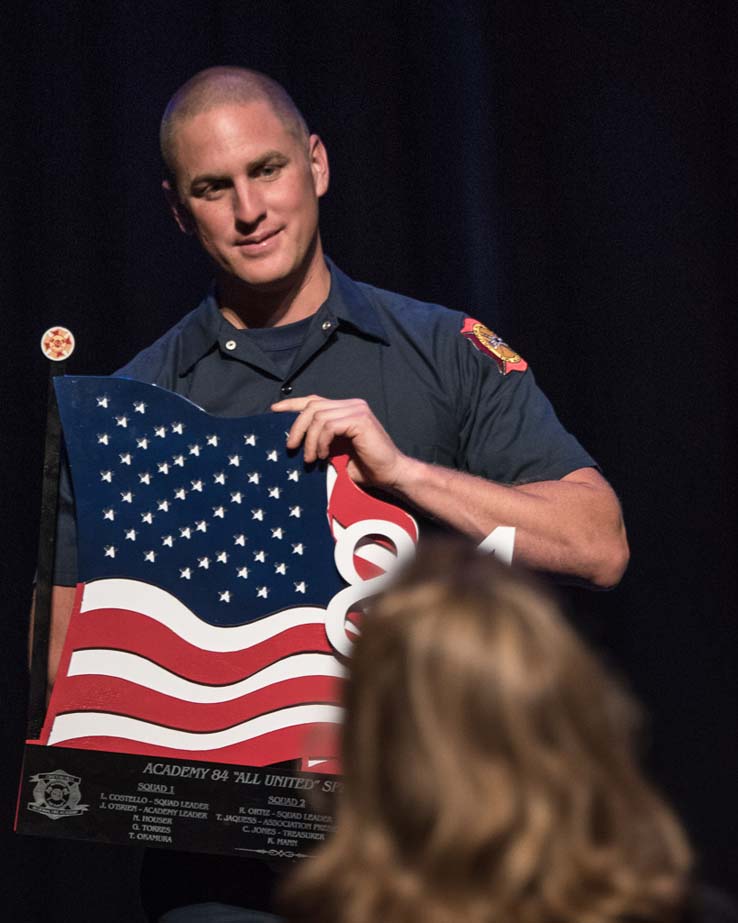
298,405
320,421
325,426
294,404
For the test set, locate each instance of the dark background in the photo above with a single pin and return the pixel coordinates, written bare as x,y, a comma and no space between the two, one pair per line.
565,171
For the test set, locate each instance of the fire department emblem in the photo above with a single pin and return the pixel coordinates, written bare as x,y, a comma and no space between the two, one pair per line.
487,341
56,794
57,344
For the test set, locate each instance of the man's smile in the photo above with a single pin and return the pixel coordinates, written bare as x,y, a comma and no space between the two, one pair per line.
257,241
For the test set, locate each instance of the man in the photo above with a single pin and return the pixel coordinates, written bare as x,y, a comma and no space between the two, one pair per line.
431,407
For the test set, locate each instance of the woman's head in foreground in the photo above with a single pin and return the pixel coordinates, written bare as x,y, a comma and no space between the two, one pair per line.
489,767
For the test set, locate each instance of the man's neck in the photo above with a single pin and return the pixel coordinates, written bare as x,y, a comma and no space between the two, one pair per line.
244,306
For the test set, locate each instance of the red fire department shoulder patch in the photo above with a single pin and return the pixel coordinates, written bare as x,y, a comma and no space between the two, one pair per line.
486,341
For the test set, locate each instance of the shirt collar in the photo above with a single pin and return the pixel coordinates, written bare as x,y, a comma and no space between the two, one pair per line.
203,328
348,302
199,332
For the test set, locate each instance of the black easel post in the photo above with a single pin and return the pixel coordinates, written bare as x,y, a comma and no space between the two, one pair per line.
57,345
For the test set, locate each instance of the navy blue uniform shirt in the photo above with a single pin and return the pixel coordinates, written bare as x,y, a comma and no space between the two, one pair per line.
439,398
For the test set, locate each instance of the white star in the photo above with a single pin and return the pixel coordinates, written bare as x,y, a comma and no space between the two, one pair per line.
263,591
274,492
242,572
260,556
250,439
185,532
236,497
298,548
212,440
194,449
203,562
234,460
254,477
125,458
185,573
160,431
168,540
219,512
110,551
201,526
163,505
180,493
219,477
142,443
239,540
102,401
131,535
103,439
126,496
225,596
277,533
293,475
280,568
272,456
150,556
144,477
178,428
163,468
296,511
121,421
109,514
147,518
196,485
139,406
258,514
178,460
221,557
106,476
300,587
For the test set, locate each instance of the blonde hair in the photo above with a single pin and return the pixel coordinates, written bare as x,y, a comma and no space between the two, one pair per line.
489,768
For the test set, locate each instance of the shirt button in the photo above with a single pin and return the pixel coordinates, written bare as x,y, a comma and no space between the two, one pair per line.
326,325
286,389
230,344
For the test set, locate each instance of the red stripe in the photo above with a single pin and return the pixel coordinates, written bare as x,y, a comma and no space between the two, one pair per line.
120,629
121,697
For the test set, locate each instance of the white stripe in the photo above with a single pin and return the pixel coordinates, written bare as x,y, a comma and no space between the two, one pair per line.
162,607
100,724
376,554
136,669
331,476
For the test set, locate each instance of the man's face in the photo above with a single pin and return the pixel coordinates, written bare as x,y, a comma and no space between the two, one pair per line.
249,189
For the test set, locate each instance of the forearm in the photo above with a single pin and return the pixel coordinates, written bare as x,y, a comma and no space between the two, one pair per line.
572,526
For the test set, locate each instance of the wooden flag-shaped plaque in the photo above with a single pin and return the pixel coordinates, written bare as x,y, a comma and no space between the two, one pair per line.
197,700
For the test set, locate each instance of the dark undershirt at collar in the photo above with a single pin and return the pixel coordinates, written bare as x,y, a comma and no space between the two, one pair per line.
281,344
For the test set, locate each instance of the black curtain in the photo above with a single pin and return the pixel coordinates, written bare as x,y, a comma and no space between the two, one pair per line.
565,171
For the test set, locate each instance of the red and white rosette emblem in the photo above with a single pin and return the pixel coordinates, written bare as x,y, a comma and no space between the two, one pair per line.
57,344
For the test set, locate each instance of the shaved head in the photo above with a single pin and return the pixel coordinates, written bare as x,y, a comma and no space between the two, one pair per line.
223,86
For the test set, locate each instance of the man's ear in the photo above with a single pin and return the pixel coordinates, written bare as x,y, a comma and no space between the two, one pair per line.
178,208
318,157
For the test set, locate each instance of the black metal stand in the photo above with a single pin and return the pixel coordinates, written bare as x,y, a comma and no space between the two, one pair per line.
45,565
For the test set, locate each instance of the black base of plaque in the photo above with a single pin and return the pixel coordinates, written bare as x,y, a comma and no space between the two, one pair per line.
268,812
